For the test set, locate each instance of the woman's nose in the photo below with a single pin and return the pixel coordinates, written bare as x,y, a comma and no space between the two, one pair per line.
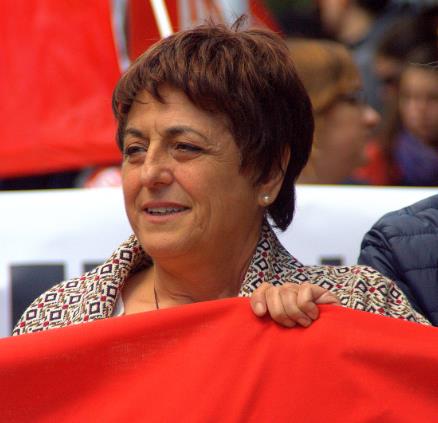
370,116
156,171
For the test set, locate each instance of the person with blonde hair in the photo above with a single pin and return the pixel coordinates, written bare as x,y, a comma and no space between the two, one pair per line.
343,121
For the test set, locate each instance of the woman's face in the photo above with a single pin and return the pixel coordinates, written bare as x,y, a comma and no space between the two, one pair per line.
183,188
341,134
418,103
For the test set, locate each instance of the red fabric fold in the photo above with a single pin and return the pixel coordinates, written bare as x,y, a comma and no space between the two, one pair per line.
216,361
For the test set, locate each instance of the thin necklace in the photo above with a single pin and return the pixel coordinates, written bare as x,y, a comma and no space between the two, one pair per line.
157,307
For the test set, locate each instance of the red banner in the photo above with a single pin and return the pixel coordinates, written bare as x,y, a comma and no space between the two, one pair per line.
58,66
216,361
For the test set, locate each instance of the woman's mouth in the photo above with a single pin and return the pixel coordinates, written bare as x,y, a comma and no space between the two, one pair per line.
164,211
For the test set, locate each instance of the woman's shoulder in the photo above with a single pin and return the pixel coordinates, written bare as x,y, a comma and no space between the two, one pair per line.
57,307
364,288
338,277
88,297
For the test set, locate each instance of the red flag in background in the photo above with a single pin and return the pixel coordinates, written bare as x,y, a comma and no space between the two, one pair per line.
262,15
144,28
59,64
58,68
216,362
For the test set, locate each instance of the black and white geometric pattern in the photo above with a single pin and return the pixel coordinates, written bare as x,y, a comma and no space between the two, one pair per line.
93,295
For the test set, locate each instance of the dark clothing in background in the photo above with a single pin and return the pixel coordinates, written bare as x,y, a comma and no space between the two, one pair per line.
403,245
416,161
59,180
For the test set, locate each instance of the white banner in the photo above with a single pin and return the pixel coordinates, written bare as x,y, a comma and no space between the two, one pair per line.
69,229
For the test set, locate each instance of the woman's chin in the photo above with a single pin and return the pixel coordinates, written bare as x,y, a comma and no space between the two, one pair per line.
166,247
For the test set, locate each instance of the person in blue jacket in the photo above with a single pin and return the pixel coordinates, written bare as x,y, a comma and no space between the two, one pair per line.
403,245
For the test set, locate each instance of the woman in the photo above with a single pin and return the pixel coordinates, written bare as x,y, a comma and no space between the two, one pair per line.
343,123
215,127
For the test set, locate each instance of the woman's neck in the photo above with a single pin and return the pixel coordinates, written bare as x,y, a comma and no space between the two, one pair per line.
203,278
206,275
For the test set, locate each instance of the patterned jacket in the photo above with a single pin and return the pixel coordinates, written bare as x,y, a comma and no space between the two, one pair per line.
93,295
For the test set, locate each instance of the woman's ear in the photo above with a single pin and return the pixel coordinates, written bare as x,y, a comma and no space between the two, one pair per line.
268,191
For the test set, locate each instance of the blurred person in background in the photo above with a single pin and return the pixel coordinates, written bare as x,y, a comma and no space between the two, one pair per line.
392,55
406,152
403,245
359,24
401,38
416,146
343,122
297,18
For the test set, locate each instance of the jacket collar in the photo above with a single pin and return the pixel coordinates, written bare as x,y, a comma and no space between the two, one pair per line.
270,263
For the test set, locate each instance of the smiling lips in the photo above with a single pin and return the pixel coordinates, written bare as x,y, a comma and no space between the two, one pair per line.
164,209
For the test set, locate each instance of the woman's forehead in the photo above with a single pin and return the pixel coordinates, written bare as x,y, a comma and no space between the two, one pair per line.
173,108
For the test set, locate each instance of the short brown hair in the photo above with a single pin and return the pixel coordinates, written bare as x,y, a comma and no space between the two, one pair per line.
245,75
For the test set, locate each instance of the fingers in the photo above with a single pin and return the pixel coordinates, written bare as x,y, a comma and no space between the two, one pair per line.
280,302
309,295
258,299
291,304
328,298
306,301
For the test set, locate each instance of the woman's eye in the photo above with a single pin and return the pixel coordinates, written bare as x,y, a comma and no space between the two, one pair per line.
187,148
133,150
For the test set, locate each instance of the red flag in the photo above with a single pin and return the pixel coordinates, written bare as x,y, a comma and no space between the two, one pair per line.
216,361
59,67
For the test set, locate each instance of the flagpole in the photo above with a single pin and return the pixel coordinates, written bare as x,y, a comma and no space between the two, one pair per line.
162,17
232,9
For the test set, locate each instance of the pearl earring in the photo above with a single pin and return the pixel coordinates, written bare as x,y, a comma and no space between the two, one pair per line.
266,199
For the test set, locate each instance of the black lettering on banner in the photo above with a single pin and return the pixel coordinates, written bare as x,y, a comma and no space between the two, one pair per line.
90,266
331,260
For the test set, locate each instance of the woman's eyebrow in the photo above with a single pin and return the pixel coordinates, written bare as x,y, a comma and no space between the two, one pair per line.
183,129
173,131
134,132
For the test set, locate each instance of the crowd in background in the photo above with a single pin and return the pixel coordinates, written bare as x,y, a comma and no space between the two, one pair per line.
371,68
392,138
